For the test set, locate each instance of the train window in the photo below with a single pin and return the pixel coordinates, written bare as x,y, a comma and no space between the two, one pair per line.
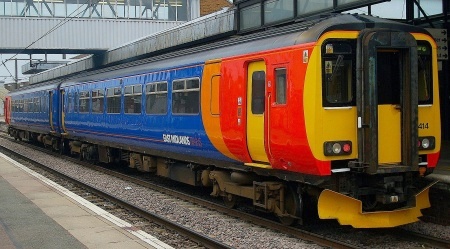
425,73
98,100
31,104
186,96
75,101
37,106
258,92
41,106
137,89
70,102
178,85
133,99
24,105
389,75
128,90
337,72
84,101
338,79
156,98
280,86
113,100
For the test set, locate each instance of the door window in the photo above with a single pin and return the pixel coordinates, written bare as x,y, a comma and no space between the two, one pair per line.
258,92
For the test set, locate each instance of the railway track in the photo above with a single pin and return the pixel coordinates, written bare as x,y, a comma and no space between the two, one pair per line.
425,240
99,197
207,242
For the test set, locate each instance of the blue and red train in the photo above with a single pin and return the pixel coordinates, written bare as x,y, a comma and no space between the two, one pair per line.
341,112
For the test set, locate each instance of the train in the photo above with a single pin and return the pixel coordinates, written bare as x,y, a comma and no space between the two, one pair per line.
339,115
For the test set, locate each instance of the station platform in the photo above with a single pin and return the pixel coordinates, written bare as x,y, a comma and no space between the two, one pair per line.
38,213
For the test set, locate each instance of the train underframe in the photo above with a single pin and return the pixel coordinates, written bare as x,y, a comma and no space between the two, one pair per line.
339,195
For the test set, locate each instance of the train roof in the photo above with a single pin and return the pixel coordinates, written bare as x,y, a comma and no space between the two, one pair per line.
33,88
297,33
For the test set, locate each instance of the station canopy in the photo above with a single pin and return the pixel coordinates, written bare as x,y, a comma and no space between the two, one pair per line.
256,14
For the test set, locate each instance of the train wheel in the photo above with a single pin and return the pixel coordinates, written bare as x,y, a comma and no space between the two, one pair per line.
81,155
62,147
293,205
230,200
55,145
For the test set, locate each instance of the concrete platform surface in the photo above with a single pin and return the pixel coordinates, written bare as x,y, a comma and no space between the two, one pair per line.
38,213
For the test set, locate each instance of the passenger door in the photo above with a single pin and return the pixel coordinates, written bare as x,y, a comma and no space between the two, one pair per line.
256,89
50,111
63,110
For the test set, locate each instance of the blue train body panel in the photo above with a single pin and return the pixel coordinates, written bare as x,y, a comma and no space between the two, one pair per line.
36,109
182,134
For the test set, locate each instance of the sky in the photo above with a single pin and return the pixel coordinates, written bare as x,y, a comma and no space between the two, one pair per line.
394,9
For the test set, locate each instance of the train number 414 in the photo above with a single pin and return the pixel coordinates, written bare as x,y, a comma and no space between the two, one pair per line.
423,125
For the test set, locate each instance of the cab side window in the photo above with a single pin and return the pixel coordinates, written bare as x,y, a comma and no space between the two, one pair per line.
338,60
280,86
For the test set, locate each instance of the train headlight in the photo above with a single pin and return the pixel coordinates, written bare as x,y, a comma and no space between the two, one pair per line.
426,143
336,148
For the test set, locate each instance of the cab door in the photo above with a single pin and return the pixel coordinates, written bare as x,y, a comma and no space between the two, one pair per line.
387,101
256,90
277,115
389,61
